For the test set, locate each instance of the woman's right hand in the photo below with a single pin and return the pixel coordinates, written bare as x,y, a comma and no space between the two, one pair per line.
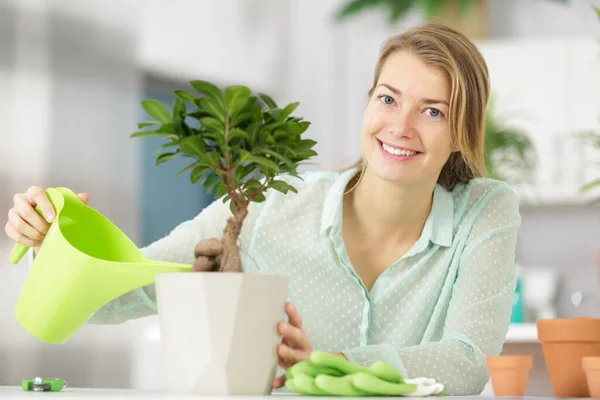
25,225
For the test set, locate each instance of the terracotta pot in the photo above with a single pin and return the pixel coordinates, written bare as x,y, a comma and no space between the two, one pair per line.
509,373
591,367
564,342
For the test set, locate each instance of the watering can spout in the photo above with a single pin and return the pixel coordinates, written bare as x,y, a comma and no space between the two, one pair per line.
17,253
84,262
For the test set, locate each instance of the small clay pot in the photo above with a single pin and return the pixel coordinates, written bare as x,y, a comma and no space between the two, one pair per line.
565,341
509,373
591,367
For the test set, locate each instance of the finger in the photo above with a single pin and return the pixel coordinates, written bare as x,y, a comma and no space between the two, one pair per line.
278,382
293,315
204,264
290,355
209,247
26,211
294,336
23,227
84,197
284,364
37,197
12,233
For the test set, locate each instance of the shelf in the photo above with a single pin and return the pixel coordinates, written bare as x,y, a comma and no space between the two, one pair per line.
522,333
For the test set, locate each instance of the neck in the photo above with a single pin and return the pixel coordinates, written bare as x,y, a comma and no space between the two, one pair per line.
385,211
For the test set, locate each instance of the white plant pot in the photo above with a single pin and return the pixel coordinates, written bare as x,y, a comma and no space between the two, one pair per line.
219,331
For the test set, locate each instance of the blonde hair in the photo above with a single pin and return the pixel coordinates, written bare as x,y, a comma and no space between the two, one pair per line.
444,47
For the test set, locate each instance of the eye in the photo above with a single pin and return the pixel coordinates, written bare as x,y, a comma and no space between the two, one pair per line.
434,112
386,99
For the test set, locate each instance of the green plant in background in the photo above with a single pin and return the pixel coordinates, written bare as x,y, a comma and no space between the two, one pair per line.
509,153
397,9
594,139
238,136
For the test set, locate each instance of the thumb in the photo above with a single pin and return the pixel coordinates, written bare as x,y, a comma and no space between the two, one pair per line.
84,197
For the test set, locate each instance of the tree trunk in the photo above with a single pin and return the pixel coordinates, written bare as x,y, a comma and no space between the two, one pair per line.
231,261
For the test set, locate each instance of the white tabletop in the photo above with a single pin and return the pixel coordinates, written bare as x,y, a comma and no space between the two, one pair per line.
14,392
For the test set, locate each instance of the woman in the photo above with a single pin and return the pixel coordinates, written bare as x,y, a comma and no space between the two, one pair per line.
407,257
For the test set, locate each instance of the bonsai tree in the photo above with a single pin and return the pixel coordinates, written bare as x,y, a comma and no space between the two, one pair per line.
237,144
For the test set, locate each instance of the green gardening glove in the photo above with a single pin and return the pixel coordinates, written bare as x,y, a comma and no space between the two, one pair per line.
326,374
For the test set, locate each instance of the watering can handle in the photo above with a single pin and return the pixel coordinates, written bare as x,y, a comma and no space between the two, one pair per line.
57,199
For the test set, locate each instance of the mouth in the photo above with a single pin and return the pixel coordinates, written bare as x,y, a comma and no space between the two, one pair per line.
396,152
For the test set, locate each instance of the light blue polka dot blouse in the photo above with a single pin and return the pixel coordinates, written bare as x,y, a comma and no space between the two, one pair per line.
435,312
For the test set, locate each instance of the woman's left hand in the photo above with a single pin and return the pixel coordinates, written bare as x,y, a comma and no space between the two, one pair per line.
295,345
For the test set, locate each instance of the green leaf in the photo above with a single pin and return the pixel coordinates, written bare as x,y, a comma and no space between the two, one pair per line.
211,158
399,10
598,12
282,186
213,108
220,189
297,128
197,173
236,98
209,182
259,198
217,137
192,165
261,161
280,135
209,90
238,119
304,144
237,133
193,146
243,171
165,157
432,8
354,7
590,185
304,155
147,123
182,94
166,128
287,111
149,133
170,144
276,155
257,115
157,110
178,107
165,146
212,124
269,102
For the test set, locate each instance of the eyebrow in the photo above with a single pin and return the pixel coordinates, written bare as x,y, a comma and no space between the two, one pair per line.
426,101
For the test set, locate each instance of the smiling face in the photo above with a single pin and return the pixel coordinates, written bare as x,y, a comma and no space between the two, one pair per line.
405,133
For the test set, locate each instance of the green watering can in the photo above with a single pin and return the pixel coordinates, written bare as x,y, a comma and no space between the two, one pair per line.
84,262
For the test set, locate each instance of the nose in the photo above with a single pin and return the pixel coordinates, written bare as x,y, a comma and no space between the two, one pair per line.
402,124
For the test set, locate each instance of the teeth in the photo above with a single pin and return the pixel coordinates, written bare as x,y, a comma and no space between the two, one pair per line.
398,152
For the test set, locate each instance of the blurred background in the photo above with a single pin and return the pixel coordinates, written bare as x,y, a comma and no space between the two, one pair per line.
72,74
